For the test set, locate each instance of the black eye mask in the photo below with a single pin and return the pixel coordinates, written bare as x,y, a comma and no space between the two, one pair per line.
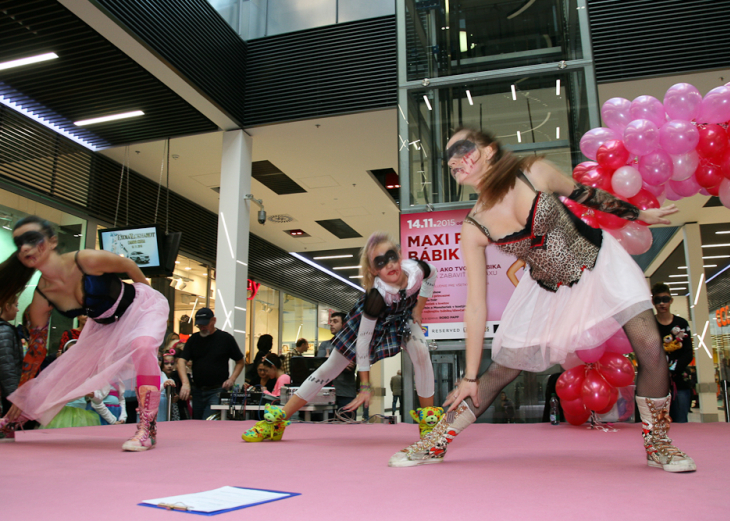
460,149
381,261
32,239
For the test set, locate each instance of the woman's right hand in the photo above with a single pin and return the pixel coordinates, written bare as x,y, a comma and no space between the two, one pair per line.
463,391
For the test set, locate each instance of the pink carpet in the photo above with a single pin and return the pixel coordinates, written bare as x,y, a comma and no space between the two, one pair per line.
535,471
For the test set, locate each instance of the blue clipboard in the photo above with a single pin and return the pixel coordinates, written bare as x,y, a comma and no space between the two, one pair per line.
287,496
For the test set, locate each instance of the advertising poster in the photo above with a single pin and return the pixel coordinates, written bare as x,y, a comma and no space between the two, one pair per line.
139,245
434,237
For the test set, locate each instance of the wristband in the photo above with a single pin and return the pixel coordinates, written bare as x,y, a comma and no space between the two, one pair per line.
365,388
470,380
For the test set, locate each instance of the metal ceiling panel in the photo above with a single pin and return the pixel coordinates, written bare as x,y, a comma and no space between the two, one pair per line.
274,179
91,78
642,38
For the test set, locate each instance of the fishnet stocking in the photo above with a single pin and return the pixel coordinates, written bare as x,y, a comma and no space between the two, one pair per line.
491,383
653,378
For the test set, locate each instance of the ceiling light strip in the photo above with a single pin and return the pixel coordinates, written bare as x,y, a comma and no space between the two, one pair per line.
30,114
325,270
333,257
27,61
113,117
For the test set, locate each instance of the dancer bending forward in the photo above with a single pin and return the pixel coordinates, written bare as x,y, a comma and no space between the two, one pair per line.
127,325
581,288
388,316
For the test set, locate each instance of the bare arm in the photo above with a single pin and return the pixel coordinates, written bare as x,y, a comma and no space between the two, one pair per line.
97,262
473,244
547,177
236,371
185,382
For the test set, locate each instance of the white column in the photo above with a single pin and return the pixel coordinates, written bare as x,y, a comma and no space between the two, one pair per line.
233,228
700,314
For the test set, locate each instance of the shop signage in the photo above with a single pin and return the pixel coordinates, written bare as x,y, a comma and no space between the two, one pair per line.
435,237
722,316
253,288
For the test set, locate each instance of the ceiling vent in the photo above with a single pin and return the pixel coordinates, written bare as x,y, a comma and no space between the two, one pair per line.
339,229
281,218
274,179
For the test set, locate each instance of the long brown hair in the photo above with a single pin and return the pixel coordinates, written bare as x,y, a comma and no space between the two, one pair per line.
505,166
14,276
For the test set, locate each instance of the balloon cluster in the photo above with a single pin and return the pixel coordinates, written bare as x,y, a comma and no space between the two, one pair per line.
593,385
651,151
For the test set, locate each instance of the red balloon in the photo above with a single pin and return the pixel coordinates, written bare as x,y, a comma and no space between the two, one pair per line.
568,386
708,174
611,402
713,190
645,200
582,168
616,369
578,419
610,221
724,163
573,407
599,177
713,140
596,391
612,154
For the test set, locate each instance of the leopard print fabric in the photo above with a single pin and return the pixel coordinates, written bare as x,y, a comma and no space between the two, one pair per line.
551,244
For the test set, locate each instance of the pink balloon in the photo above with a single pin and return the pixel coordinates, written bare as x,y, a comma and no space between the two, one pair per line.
703,191
596,391
568,386
671,194
582,168
654,189
715,107
641,137
616,369
679,136
626,181
598,177
656,167
619,343
590,356
648,107
635,238
724,193
686,188
594,138
682,101
684,165
616,113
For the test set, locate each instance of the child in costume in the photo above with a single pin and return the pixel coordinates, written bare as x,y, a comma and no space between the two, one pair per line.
127,324
581,288
385,319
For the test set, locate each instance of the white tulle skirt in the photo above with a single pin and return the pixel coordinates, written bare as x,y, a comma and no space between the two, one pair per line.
539,328
102,356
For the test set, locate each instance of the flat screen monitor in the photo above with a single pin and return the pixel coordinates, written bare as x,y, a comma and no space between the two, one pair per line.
146,245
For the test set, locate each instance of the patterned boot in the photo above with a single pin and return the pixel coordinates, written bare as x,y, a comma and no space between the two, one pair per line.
660,452
432,448
146,435
270,428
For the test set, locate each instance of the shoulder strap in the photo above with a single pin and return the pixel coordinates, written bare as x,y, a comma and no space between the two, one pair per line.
479,225
76,260
524,178
44,296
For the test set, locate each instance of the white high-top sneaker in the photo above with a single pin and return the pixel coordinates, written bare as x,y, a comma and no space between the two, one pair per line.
660,452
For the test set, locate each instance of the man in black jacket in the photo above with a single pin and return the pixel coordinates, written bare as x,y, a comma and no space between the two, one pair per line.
11,352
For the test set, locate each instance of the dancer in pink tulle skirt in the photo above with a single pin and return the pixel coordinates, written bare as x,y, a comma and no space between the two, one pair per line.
127,325
580,289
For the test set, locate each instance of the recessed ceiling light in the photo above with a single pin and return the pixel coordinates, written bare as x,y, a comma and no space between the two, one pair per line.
557,87
355,276
113,117
519,137
722,232
709,266
514,93
346,268
717,257
557,132
681,267
468,95
27,61
715,245
428,103
677,276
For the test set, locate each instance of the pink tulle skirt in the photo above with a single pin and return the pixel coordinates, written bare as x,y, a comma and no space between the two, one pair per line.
102,356
539,328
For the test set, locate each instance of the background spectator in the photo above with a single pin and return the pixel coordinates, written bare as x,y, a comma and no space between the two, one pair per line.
276,372
302,346
11,352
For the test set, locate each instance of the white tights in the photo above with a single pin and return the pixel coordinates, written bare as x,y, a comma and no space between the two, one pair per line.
417,350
